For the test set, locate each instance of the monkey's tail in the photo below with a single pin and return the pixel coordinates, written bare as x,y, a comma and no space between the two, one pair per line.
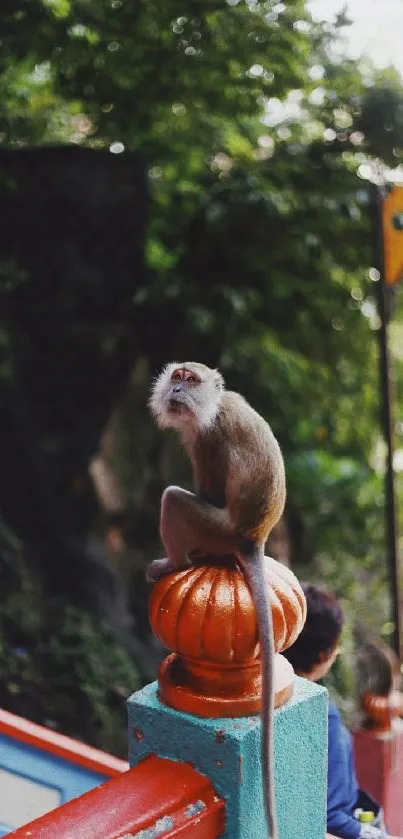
254,568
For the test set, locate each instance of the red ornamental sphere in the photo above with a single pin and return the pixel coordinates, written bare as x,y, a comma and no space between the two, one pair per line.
206,615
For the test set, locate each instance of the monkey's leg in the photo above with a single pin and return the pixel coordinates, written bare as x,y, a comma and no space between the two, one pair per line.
187,524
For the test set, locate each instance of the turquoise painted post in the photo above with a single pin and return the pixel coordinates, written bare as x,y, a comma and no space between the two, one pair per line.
227,750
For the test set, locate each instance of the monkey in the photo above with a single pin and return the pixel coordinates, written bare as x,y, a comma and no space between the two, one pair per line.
240,494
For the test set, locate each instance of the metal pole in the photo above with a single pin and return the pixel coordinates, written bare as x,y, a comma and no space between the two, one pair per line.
387,422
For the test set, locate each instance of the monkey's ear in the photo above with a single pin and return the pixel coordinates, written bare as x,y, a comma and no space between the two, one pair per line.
218,380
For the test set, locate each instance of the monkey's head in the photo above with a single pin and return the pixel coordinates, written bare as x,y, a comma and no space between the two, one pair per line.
186,395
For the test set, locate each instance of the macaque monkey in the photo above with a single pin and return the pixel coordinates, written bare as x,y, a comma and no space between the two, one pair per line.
239,496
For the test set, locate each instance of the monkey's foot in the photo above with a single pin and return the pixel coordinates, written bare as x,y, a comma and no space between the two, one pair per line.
159,568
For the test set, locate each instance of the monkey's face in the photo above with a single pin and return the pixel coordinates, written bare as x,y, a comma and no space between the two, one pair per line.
186,394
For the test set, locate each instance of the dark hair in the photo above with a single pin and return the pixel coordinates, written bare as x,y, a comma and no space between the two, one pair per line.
321,632
377,665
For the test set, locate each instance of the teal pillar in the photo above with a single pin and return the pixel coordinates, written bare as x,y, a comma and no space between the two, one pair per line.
227,751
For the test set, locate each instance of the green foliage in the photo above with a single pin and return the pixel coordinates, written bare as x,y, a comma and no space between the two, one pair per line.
58,664
258,250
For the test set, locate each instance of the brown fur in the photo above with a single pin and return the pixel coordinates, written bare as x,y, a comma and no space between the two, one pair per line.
238,465
239,496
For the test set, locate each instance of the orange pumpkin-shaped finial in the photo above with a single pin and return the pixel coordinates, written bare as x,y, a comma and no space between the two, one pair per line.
205,614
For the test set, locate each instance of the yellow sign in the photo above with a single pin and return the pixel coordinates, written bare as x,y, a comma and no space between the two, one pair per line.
392,224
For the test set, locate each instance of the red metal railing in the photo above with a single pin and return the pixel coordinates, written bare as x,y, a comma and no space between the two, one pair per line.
25,731
157,793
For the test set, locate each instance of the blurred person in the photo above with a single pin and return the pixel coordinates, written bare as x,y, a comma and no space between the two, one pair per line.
312,657
378,686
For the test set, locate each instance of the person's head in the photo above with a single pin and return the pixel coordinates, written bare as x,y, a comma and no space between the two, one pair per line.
315,650
378,669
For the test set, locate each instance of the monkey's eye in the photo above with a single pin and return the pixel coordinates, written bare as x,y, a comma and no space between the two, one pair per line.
192,380
176,377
